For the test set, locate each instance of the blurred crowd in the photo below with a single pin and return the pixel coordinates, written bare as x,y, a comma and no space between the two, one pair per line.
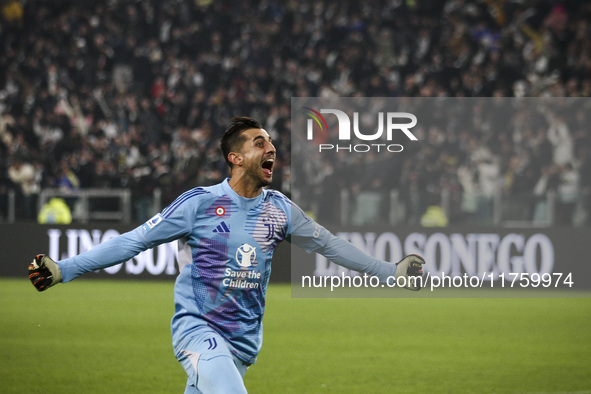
485,160
135,94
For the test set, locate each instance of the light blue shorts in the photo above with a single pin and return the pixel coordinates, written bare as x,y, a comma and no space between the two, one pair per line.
210,366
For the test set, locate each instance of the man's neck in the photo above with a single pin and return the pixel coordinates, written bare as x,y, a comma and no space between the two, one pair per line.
243,187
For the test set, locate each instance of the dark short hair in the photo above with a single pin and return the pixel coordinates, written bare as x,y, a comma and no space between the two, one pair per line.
232,139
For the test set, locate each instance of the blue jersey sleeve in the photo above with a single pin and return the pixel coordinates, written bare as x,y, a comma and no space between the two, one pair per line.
111,252
174,222
312,237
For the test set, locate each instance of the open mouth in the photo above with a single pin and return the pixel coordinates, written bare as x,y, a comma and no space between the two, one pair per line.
268,166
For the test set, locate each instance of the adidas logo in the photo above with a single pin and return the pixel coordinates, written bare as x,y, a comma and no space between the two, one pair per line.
222,228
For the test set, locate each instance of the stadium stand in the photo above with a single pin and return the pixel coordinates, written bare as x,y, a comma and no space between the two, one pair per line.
134,94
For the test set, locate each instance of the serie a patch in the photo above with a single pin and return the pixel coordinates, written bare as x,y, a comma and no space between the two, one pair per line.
153,222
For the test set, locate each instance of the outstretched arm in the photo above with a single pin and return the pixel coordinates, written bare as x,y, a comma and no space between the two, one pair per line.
111,252
173,223
45,273
313,237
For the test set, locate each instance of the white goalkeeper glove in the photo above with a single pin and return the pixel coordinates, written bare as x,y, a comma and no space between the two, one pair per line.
44,272
410,268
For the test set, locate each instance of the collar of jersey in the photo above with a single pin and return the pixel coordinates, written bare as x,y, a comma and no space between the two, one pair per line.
243,202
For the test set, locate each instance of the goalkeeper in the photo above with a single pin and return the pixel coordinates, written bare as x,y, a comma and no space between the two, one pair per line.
226,237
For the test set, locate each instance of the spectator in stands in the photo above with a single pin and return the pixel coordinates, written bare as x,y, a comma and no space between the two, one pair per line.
568,195
560,137
65,71
26,176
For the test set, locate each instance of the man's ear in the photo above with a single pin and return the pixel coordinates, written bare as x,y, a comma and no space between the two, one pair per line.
235,158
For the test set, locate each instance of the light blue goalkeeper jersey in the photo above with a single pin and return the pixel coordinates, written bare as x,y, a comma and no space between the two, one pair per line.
226,243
